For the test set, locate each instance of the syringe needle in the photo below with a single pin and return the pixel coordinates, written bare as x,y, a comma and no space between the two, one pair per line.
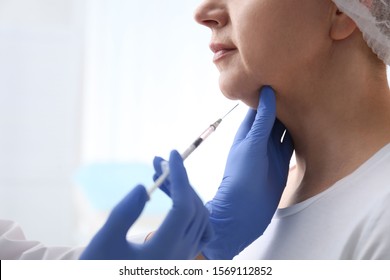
188,151
230,111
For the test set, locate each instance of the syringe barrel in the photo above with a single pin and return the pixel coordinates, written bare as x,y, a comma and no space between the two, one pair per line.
210,129
189,150
207,132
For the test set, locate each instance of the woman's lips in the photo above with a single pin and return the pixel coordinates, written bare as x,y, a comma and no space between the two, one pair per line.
221,50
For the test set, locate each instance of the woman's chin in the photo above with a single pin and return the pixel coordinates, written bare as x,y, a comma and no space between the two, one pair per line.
247,96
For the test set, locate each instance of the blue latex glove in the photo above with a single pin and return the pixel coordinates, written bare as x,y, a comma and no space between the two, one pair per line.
254,179
182,235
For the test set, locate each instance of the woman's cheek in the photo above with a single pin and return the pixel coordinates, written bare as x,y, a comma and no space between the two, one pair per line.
240,79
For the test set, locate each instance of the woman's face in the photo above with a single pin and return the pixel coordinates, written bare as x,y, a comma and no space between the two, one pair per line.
265,42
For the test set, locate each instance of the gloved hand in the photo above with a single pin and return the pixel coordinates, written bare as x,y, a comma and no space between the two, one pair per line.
182,235
254,179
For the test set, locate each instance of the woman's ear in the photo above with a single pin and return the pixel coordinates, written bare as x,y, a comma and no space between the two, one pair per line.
342,26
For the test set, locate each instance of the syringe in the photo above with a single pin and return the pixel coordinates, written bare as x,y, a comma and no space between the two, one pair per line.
188,151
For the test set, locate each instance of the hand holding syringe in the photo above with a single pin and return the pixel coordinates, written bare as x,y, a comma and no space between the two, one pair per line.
188,151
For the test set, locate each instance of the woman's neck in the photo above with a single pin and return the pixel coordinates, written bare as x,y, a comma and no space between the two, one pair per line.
335,128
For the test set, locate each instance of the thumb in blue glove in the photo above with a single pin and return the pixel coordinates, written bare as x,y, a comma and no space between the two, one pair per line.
186,229
182,235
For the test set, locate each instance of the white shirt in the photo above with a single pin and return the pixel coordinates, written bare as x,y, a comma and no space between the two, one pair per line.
350,220
13,246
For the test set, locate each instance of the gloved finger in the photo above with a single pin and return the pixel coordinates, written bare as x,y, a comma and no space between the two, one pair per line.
174,226
157,165
202,234
182,211
199,231
265,117
184,200
180,186
208,233
200,211
126,212
165,187
245,126
195,226
179,190
194,198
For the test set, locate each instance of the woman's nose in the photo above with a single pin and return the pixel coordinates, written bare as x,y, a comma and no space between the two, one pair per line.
211,13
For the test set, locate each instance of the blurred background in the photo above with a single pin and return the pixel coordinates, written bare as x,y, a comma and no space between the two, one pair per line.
90,92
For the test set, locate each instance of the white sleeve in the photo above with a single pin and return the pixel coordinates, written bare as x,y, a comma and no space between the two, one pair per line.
14,246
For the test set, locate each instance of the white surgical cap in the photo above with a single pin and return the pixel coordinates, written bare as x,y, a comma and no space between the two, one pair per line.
373,19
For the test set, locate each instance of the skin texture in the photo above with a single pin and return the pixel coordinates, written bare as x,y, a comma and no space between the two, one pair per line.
332,91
